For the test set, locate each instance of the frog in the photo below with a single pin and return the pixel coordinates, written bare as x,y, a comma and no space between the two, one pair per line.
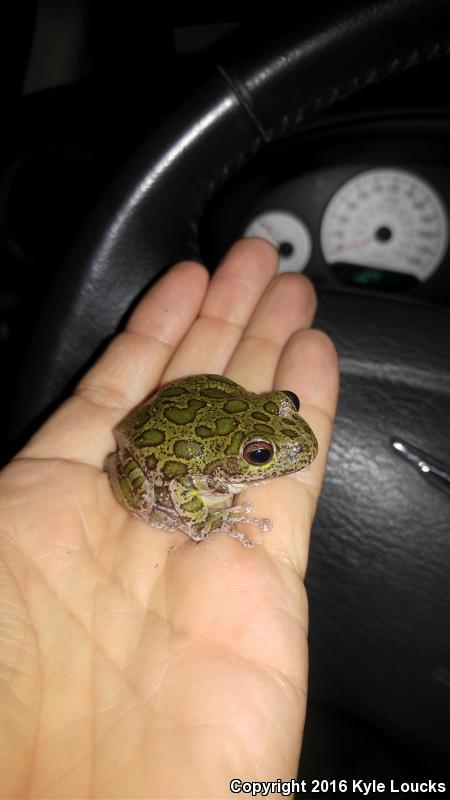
184,453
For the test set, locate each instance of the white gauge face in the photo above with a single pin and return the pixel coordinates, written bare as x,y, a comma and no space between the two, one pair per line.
289,235
386,218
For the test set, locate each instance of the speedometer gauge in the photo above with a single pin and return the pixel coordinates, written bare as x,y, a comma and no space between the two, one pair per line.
388,219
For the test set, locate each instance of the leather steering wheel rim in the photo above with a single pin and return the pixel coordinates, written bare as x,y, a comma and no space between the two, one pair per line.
149,219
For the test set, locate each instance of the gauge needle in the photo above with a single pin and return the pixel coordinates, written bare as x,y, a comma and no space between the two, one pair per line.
269,229
352,246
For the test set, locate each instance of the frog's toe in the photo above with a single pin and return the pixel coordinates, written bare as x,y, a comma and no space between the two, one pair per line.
234,534
235,512
195,534
264,525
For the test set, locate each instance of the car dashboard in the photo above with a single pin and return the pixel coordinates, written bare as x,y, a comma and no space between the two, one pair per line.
355,204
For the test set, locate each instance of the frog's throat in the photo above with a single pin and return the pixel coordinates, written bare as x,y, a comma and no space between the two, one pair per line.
217,502
237,488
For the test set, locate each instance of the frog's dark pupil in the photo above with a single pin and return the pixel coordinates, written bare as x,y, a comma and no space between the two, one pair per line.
260,456
293,397
258,452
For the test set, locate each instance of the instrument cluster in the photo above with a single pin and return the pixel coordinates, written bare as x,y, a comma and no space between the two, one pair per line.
372,216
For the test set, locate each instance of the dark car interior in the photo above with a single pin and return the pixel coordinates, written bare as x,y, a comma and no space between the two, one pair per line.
130,142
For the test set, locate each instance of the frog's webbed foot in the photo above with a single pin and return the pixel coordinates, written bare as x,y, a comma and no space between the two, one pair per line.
240,514
160,520
228,530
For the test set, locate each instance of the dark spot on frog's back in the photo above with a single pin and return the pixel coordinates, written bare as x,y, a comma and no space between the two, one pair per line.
130,466
260,416
291,432
225,425
138,480
172,391
204,432
151,461
183,416
263,430
150,438
235,406
214,393
187,448
127,492
271,408
174,469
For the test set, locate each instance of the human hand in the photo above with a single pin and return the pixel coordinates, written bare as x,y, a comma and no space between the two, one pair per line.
130,667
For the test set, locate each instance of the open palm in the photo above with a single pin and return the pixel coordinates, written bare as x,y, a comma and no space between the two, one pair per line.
134,662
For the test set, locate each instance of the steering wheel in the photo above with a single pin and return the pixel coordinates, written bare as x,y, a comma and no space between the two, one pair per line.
378,576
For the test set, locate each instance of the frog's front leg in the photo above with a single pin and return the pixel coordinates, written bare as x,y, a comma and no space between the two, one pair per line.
204,505
212,489
130,485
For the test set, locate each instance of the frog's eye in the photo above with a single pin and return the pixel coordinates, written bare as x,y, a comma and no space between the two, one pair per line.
258,452
292,397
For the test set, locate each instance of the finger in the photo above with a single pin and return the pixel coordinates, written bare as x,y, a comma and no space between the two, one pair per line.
288,305
234,291
129,369
308,367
